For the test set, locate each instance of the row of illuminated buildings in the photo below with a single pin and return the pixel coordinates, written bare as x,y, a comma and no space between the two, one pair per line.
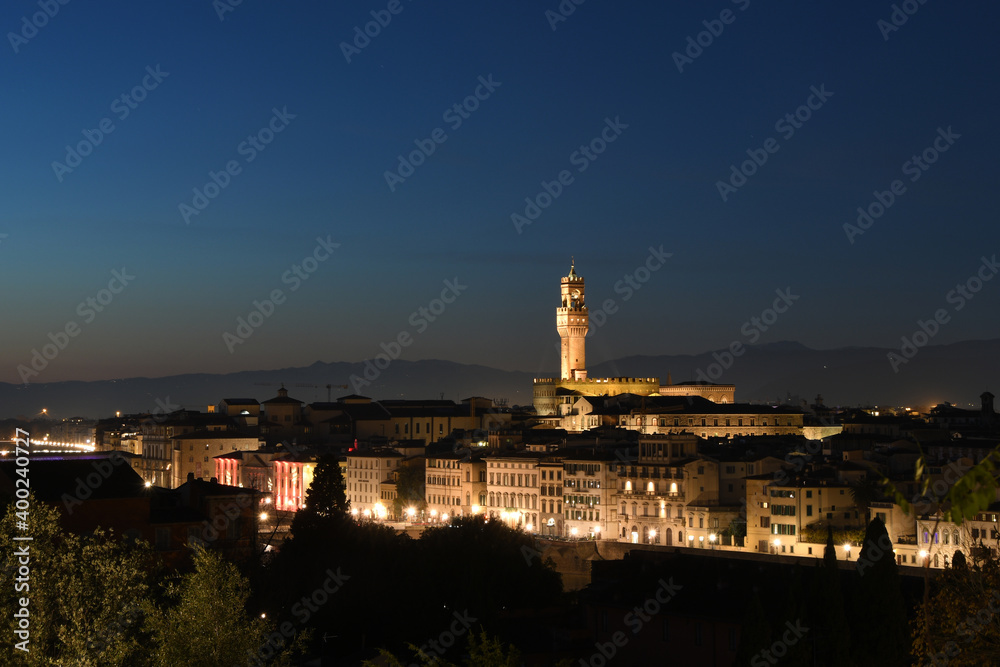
653,482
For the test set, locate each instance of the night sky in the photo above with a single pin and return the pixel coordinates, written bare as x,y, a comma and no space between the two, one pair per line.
267,92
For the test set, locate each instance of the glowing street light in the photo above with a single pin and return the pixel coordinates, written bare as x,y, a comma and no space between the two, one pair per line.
528,527
263,516
475,509
847,551
148,484
652,534
573,531
410,512
434,513
444,517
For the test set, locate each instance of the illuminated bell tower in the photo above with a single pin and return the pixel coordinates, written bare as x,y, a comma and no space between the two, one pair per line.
572,322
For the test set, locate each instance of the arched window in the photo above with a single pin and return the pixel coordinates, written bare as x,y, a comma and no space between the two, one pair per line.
947,536
926,537
673,487
628,486
650,488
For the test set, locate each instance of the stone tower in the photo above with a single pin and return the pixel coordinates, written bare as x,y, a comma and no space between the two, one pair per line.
572,322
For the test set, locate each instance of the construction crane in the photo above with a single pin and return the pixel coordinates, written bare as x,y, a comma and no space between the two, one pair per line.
329,389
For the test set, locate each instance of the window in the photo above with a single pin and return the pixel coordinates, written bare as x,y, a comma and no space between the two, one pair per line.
809,510
809,494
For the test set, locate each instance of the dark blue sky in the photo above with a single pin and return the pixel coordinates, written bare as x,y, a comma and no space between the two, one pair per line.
323,175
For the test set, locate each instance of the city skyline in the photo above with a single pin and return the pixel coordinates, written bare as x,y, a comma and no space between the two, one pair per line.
280,161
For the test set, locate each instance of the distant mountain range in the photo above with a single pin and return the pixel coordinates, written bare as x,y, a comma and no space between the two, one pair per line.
784,371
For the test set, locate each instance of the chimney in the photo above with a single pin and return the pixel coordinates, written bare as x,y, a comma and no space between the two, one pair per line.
190,477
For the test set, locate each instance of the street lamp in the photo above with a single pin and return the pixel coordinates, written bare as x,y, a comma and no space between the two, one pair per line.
263,516
410,512
777,543
475,509
573,531
701,541
847,551
444,517
711,538
652,535
528,527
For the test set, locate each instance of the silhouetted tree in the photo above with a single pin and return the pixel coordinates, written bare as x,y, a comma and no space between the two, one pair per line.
880,624
833,642
327,494
756,634
960,623
410,485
